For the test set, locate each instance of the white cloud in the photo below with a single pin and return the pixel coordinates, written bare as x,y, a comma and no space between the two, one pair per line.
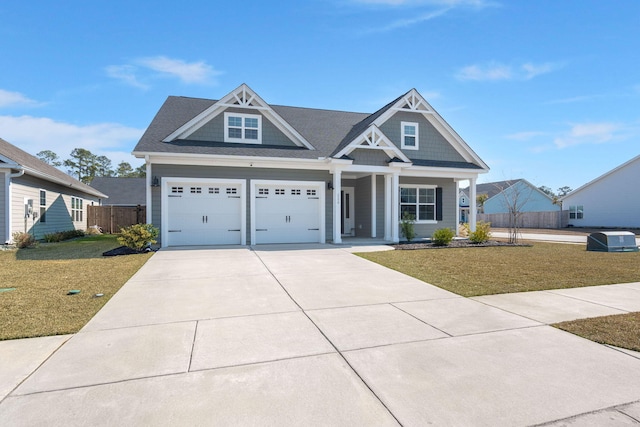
591,133
34,134
141,70
10,99
126,73
525,136
194,72
494,71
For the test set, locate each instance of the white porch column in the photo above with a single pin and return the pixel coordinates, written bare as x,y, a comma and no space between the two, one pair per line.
373,206
472,204
387,207
149,190
395,208
457,207
337,211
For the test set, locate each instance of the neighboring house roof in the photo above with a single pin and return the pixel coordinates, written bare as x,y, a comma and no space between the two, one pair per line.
492,189
122,191
318,133
601,177
15,158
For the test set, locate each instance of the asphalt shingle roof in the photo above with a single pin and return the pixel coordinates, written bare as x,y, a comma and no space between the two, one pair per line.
328,131
33,164
121,191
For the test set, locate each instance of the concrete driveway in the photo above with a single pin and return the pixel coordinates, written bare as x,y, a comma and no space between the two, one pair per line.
309,335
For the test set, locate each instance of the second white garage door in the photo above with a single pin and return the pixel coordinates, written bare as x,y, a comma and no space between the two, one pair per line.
287,212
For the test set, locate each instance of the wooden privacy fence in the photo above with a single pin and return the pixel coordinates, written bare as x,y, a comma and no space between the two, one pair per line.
549,219
111,218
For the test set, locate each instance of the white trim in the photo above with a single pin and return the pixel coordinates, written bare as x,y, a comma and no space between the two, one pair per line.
374,139
243,128
242,97
417,204
319,185
7,206
395,208
374,201
417,104
337,218
352,210
149,194
233,161
387,206
164,197
416,136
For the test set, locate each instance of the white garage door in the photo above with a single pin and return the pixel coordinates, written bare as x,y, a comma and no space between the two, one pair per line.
201,213
287,213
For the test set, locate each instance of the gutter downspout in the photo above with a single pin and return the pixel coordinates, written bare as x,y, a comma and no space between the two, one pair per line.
8,214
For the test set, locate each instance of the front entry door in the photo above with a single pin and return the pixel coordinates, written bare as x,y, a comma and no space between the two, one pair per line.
348,210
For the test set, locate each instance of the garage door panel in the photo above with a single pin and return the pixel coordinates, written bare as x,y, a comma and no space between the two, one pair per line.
204,214
287,213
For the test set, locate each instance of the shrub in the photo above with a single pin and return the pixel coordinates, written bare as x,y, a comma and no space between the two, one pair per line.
59,236
482,233
442,236
138,236
406,226
23,240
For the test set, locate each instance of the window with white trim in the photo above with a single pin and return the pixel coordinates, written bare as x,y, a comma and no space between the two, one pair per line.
43,206
576,212
76,209
409,135
420,202
243,128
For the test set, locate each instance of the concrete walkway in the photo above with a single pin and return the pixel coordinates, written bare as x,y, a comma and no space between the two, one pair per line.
313,335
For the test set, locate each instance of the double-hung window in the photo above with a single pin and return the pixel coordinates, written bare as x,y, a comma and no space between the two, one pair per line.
43,206
410,134
419,202
576,212
76,209
243,128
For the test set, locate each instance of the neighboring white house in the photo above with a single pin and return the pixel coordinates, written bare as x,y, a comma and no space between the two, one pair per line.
241,171
520,193
37,198
611,200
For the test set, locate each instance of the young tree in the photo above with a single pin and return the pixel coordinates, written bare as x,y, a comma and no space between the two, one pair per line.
480,199
49,157
515,196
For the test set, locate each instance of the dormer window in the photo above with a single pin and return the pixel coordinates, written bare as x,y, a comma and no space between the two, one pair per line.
243,128
409,135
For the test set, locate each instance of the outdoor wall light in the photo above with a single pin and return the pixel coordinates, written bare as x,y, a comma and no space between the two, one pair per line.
330,185
155,182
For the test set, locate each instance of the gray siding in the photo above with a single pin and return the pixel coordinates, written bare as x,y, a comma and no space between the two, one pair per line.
369,157
58,207
449,207
363,207
196,172
3,206
432,145
214,130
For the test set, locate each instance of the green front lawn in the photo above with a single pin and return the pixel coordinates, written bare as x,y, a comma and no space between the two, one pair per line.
498,270
42,277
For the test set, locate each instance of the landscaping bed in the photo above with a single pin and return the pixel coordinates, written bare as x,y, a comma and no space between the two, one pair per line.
459,243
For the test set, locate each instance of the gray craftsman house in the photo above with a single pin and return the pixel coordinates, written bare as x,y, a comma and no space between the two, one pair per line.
240,171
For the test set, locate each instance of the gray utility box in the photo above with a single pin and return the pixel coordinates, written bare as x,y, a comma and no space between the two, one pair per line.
612,241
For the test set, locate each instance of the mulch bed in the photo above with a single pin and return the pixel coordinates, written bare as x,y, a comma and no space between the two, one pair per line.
123,250
454,244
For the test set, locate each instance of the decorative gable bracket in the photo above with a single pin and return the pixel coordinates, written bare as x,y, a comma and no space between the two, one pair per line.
373,139
242,97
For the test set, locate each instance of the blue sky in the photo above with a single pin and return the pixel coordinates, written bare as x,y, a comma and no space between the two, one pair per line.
544,90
